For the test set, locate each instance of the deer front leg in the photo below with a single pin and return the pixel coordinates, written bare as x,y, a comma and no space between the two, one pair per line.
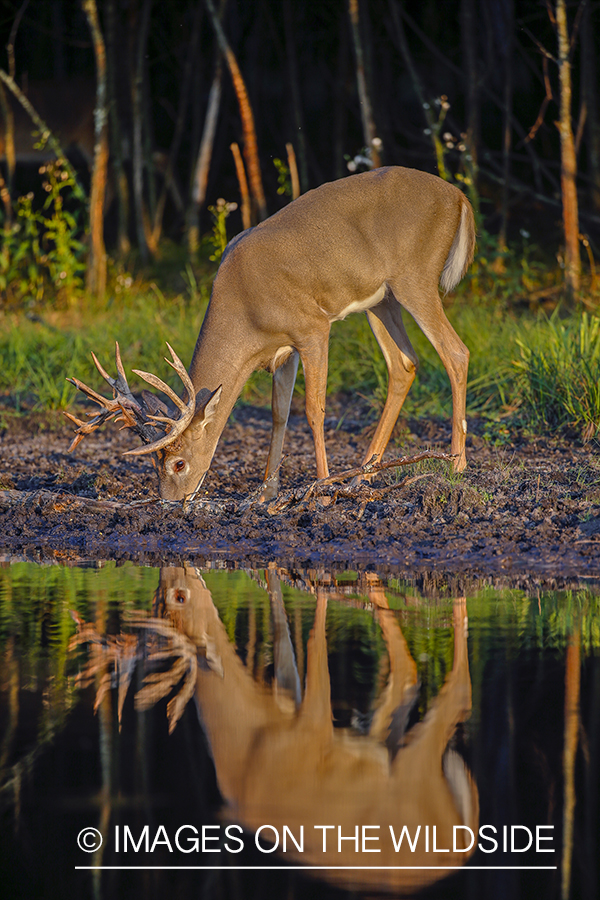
284,379
314,362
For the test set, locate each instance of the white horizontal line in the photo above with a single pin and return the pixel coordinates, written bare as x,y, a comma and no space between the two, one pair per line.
320,868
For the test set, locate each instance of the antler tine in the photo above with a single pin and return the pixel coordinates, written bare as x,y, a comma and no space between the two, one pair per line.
182,372
160,385
102,370
187,410
118,384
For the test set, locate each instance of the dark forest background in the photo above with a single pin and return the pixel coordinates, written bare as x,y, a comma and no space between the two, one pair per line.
494,61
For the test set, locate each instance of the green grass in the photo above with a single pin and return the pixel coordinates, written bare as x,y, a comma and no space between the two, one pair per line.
559,376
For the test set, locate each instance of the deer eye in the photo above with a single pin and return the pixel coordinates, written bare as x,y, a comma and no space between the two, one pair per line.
179,465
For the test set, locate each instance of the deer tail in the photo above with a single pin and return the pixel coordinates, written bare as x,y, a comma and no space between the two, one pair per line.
462,250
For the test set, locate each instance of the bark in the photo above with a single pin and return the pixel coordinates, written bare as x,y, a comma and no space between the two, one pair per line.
293,167
372,142
290,47
96,271
568,162
246,114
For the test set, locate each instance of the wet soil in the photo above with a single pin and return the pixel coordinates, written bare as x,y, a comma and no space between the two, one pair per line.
529,509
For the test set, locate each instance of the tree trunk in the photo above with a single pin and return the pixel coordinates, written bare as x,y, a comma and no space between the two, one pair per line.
246,114
293,167
568,162
372,142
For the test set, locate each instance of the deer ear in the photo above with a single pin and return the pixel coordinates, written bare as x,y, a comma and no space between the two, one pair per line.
210,407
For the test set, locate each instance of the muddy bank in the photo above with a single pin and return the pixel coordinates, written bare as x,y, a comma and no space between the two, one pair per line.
528,509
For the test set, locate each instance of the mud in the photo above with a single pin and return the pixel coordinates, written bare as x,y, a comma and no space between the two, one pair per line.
526,511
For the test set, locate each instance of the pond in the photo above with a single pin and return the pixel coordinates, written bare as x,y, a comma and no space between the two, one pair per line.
295,733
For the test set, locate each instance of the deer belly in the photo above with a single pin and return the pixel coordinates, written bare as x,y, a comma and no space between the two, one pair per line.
359,305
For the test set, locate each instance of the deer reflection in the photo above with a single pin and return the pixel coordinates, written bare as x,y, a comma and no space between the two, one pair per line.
280,761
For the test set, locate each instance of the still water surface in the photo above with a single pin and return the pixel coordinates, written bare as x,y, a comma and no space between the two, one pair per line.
294,734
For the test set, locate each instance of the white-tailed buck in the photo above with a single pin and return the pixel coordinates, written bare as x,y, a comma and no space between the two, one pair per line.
374,243
279,760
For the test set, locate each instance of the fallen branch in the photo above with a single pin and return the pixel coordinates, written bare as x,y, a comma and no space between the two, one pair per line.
354,491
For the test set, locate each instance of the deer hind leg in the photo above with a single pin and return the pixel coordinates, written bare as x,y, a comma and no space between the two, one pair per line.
386,324
314,361
426,309
284,379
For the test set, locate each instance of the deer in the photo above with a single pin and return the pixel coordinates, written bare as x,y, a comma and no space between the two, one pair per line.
279,759
375,242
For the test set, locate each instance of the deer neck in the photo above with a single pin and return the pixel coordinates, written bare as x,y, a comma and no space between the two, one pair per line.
222,357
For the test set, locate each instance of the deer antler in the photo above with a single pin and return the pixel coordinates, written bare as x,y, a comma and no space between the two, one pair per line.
130,412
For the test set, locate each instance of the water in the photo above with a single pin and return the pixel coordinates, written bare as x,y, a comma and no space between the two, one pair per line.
197,718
